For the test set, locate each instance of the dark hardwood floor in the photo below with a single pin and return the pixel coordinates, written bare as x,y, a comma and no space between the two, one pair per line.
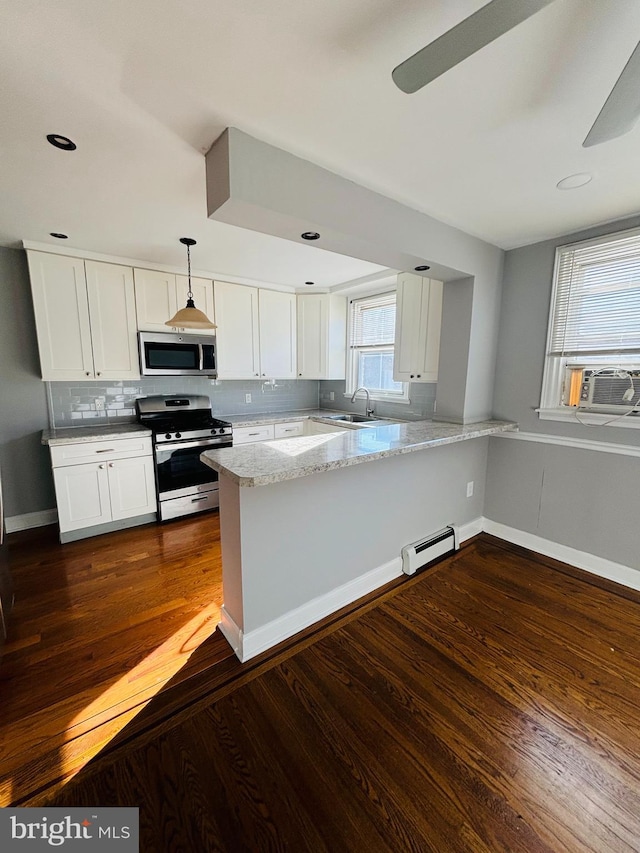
99,627
489,704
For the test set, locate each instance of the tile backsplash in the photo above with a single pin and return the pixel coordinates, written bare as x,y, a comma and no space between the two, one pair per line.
79,404
422,397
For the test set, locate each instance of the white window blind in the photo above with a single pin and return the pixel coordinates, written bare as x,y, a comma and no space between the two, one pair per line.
596,309
373,320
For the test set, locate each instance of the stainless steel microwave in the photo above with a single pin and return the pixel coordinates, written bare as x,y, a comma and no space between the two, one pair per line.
177,354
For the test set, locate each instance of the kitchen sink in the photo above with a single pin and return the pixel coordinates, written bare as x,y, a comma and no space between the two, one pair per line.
352,419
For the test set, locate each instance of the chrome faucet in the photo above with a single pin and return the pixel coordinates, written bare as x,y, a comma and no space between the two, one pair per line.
367,409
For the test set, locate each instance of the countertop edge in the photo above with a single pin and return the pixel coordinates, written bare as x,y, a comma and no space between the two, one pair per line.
294,474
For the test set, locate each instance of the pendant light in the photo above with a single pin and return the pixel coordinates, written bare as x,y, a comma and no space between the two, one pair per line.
190,317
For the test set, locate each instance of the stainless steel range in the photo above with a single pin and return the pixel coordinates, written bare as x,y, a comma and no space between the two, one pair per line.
183,428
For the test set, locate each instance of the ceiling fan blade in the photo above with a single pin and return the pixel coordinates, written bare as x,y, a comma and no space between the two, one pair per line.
622,108
476,31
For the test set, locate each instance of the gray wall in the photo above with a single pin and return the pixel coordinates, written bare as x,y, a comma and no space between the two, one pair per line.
575,497
27,481
297,541
522,337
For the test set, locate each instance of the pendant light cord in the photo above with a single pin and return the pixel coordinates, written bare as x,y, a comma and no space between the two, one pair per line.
189,293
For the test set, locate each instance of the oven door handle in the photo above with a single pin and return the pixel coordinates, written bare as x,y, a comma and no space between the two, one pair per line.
186,445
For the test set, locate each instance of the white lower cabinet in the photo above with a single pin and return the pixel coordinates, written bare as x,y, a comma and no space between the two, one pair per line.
249,435
102,482
288,430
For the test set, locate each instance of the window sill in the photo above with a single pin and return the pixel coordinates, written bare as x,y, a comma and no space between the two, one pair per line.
574,416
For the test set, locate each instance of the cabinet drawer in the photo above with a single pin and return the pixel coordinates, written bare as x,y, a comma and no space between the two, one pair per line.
80,453
247,435
289,429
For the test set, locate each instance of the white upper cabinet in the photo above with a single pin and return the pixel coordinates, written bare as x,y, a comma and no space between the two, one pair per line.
112,315
277,315
256,334
159,295
238,338
156,299
418,320
322,333
85,319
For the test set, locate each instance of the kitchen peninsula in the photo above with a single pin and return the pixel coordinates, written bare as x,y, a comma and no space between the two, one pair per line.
311,523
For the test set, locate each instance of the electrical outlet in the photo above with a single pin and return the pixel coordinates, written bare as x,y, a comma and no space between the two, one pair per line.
470,489
247,398
332,396
99,404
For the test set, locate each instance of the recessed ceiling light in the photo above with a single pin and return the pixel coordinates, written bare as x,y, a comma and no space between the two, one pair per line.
309,282
422,268
572,182
58,235
310,235
63,142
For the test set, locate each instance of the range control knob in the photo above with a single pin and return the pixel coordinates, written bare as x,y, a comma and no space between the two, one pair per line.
178,435
168,435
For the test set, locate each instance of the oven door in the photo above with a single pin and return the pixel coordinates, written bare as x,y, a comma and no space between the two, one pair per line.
181,474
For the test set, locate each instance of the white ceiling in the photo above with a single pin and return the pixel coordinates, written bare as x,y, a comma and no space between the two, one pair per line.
144,88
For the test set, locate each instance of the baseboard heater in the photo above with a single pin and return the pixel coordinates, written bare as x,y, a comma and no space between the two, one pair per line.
420,554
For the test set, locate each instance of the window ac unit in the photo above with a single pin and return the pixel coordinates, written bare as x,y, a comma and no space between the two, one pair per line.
609,391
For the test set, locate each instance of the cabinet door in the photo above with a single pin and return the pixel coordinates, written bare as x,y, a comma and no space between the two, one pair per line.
429,339
408,319
131,487
155,299
62,316
322,332
112,312
313,322
237,339
277,334
202,290
82,495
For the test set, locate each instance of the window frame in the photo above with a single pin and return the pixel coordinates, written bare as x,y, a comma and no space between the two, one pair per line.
353,353
552,406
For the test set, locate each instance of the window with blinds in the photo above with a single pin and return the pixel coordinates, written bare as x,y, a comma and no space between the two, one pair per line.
593,346
596,310
371,346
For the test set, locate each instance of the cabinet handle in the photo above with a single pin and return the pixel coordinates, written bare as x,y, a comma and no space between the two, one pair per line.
100,466
418,376
411,377
87,373
256,374
254,433
106,450
110,464
195,500
264,374
98,373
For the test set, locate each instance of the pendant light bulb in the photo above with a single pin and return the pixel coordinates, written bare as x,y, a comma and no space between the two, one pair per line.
190,317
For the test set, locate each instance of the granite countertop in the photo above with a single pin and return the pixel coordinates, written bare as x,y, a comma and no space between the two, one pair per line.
288,458
71,435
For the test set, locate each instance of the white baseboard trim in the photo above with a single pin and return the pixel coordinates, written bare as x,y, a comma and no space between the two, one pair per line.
248,645
580,559
14,523
470,529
